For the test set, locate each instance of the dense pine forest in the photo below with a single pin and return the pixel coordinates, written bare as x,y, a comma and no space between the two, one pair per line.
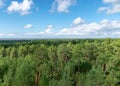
62,62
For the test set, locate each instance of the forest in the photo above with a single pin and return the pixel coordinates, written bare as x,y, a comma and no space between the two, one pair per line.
60,62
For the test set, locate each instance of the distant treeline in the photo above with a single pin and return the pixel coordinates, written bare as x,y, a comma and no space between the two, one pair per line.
12,42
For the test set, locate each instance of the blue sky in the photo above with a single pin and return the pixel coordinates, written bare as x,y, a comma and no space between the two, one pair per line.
59,18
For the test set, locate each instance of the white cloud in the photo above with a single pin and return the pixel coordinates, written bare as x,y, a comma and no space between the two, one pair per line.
48,29
1,3
104,28
1,34
116,33
23,8
78,21
8,34
62,5
111,1
113,6
28,26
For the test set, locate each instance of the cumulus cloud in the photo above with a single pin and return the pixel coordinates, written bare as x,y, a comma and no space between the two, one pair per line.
62,5
1,3
47,31
8,34
28,26
104,28
113,6
78,21
20,7
1,34
116,33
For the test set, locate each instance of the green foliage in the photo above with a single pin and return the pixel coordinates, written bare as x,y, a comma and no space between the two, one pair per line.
53,82
80,79
95,77
66,62
24,74
44,81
